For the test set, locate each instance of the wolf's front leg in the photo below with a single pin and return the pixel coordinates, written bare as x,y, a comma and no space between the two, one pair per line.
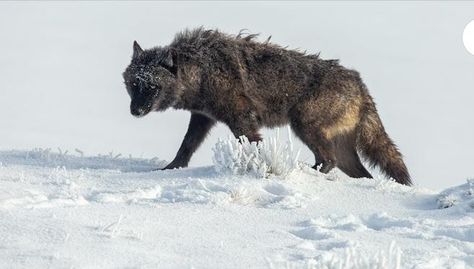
198,128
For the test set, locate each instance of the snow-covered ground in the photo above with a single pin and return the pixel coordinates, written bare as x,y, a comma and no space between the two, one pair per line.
65,210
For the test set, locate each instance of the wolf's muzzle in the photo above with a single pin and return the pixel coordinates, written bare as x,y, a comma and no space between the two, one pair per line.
138,112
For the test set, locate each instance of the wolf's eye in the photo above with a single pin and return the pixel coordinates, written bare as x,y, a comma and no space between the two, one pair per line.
135,84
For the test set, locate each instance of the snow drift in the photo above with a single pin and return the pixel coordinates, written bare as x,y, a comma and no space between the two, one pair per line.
256,208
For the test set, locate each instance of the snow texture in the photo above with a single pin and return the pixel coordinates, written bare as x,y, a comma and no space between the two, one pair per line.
62,209
460,197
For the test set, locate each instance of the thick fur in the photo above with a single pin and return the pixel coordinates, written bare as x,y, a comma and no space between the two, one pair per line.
248,85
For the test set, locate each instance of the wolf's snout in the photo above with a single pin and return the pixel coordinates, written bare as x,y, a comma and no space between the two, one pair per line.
137,111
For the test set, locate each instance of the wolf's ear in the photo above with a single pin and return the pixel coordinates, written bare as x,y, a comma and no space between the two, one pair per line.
137,50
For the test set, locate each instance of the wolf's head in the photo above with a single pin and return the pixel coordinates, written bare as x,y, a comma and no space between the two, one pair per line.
150,80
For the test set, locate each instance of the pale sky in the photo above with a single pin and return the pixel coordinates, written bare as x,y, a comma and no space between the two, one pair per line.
61,65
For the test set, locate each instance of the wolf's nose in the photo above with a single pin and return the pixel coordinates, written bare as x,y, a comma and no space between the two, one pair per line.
137,112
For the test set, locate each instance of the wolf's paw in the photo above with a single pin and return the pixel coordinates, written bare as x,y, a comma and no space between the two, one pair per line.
326,166
174,165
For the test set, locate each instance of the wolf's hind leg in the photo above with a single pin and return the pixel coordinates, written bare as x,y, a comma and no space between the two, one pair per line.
351,165
347,158
321,147
198,128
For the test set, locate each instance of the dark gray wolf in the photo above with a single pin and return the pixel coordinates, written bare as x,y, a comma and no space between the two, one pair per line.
248,84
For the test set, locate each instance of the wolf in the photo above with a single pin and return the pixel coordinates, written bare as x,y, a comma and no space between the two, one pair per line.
247,85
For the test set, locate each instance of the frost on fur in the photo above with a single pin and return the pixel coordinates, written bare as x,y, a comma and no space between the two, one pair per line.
269,156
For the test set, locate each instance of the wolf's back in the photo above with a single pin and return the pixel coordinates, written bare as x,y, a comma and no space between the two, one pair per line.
377,147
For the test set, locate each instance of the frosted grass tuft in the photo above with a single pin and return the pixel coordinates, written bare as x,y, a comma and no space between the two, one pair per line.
270,156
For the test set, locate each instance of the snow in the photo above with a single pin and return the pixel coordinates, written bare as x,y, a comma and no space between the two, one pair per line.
63,209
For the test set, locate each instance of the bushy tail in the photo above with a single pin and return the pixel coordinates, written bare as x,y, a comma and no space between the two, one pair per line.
375,145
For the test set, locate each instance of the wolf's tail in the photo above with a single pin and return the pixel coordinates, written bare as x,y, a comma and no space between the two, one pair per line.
375,145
